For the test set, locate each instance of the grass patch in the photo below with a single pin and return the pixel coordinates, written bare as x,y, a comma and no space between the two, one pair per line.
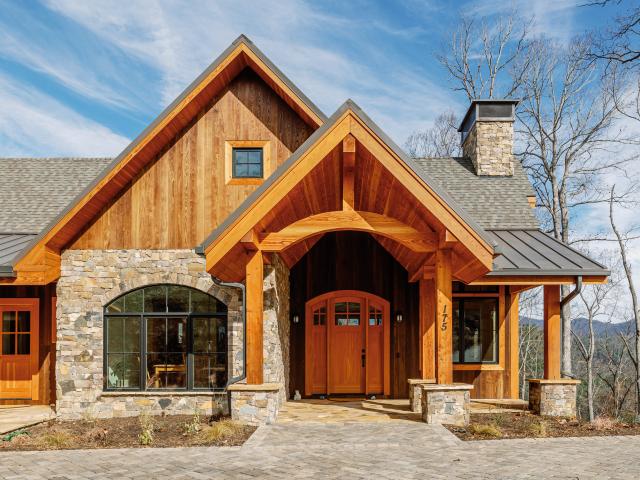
486,430
55,440
220,430
538,428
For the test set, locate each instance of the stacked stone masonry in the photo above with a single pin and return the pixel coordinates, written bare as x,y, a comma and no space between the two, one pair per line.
415,393
553,398
255,407
277,326
446,404
489,145
89,280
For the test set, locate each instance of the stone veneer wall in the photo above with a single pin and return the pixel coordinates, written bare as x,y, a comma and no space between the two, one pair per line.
277,326
553,398
446,404
489,145
89,280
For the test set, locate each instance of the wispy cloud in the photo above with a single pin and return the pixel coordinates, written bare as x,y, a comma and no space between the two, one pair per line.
42,126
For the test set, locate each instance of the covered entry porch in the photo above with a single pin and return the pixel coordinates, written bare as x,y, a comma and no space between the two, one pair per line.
356,225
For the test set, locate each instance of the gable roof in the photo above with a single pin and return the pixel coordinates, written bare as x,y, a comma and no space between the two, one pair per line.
240,54
495,202
349,107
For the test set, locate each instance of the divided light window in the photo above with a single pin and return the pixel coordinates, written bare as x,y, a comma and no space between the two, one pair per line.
475,330
247,163
165,337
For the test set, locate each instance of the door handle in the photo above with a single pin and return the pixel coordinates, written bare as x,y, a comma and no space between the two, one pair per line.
364,356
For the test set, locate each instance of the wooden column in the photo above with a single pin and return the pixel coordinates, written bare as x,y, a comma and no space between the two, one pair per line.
254,333
444,320
552,332
427,329
512,318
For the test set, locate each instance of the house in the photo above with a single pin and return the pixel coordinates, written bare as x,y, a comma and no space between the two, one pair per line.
245,246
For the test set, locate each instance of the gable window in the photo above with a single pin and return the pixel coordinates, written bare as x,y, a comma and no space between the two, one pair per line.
165,337
475,330
247,163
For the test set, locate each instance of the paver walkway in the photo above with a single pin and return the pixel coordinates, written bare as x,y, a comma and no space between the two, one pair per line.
391,450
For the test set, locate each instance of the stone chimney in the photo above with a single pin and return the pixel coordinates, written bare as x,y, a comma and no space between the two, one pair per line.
487,136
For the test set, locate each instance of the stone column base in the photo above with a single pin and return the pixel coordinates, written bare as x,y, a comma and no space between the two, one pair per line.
556,398
254,404
415,392
446,403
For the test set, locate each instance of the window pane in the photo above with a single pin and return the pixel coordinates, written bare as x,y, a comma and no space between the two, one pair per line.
133,301
209,335
203,303
456,331
124,334
9,321
210,371
156,335
480,321
178,299
176,335
156,370
247,162
123,371
24,321
8,344
116,306
155,299
23,344
176,371
341,307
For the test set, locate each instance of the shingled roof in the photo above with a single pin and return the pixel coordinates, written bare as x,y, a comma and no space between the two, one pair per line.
494,202
35,190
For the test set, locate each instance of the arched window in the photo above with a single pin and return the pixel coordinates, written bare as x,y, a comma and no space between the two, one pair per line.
165,337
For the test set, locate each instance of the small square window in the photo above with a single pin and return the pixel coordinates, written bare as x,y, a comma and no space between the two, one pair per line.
247,163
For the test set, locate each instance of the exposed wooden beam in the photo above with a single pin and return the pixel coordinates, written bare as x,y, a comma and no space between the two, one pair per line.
250,241
349,220
348,172
254,312
552,332
444,317
446,239
422,272
427,329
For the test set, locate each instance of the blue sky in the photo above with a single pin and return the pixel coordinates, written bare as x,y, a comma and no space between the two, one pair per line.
83,78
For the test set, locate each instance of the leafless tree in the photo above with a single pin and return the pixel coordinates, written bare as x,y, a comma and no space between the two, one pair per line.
614,372
623,245
441,140
566,134
620,43
597,302
480,54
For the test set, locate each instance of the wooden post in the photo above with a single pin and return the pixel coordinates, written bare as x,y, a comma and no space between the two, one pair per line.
427,329
348,168
513,354
444,317
552,332
254,333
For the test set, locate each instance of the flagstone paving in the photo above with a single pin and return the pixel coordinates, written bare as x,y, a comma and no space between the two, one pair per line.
388,450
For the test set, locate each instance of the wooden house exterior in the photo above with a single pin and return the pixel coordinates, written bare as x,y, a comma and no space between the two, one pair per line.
280,250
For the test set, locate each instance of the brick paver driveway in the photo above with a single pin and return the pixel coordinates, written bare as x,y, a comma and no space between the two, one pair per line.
397,449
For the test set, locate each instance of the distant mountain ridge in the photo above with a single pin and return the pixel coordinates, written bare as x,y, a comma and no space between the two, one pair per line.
580,326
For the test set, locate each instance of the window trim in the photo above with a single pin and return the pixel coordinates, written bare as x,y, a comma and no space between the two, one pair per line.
482,365
143,344
267,164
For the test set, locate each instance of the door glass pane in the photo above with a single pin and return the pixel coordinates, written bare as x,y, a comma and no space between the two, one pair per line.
8,321
133,301
24,321
347,314
8,344
209,335
167,352
156,370
375,316
24,344
124,334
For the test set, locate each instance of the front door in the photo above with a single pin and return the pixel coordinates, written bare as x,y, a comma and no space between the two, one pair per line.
347,344
19,349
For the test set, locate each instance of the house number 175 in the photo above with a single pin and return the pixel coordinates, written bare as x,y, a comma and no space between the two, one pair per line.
443,327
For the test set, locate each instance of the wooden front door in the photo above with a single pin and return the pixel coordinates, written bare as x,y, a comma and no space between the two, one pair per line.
347,344
19,349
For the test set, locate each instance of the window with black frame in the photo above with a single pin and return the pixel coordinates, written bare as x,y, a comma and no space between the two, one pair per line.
475,330
165,337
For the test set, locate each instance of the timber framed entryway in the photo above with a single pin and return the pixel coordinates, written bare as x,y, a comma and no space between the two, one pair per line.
347,344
